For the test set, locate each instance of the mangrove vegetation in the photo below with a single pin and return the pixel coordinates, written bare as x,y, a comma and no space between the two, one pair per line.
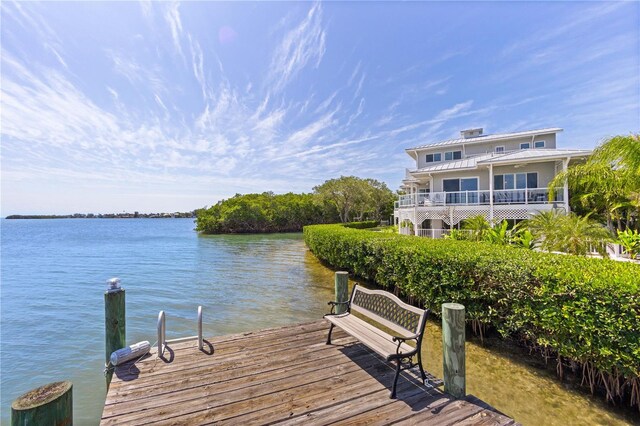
343,199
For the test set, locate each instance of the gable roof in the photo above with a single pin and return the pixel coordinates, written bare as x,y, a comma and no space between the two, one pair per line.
487,138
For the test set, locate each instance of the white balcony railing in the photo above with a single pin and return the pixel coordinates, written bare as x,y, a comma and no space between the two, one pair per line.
439,233
501,196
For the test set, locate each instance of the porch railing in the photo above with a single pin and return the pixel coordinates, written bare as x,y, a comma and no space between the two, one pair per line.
500,196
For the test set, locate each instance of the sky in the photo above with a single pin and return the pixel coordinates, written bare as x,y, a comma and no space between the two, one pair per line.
161,107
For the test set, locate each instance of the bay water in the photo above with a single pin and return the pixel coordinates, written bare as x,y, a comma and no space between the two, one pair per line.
53,276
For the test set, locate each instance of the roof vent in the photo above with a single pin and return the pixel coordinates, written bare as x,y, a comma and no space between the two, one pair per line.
471,133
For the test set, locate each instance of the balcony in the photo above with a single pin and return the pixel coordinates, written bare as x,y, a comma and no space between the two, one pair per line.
483,197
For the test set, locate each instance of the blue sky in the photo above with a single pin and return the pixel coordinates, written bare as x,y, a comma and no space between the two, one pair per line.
113,106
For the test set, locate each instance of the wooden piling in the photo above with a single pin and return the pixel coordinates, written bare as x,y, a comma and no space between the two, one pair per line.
453,351
342,290
114,321
50,404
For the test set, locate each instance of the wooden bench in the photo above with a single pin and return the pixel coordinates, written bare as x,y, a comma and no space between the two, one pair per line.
390,312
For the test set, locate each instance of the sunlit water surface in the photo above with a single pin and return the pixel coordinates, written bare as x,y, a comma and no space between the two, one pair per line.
53,276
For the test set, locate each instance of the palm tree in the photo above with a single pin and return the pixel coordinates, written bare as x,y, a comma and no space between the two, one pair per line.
478,225
608,184
580,235
568,233
545,228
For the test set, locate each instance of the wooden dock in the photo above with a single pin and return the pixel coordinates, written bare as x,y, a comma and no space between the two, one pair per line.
283,375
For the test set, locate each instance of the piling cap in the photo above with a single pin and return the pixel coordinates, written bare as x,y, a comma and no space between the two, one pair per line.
113,285
41,396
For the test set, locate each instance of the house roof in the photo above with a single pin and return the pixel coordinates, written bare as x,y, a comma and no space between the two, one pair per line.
487,138
534,154
503,158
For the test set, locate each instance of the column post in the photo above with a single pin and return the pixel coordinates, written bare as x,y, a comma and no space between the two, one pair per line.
114,322
453,350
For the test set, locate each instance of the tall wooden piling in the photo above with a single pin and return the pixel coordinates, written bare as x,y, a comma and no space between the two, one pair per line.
50,404
342,290
453,353
114,322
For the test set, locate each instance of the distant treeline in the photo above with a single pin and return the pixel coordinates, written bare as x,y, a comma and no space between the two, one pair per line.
345,199
134,215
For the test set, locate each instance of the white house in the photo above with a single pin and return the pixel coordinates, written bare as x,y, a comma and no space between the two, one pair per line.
501,176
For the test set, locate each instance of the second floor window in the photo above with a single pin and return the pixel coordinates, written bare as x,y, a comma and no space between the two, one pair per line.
499,148
452,155
538,144
432,158
525,145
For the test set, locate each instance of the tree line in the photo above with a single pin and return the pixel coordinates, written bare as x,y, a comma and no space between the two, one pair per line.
343,199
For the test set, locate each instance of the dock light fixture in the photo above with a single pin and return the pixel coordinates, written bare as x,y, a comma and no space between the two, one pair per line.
113,285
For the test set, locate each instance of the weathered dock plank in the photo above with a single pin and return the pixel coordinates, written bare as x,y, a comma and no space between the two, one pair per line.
284,375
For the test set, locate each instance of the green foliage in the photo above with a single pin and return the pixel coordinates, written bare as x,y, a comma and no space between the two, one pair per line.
264,212
607,185
498,234
630,242
478,225
362,225
357,199
456,234
525,239
568,233
587,310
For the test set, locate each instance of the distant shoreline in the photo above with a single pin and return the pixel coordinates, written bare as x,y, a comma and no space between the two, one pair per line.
136,215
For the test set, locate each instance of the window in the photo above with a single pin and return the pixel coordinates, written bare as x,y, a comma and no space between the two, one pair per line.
451,185
464,184
515,181
432,158
538,144
469,184
499,148
452,155
525,145
509,181
456,190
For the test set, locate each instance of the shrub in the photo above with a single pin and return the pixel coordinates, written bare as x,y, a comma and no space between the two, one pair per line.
362,225
585,310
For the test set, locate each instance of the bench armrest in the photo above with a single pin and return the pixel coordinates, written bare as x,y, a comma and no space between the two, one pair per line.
401,340
333,306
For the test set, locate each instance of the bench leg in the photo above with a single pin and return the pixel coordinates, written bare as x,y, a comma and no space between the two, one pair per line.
329,336
395,379
424,376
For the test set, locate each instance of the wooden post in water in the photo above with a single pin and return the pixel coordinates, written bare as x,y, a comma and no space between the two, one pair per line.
453,355
342,290
114,322
50,404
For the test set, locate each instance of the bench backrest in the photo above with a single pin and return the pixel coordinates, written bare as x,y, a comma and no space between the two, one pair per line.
387,310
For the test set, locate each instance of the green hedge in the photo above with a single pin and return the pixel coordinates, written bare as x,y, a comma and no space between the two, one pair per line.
362,225
587,310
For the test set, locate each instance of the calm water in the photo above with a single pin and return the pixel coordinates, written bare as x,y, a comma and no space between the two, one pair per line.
53,276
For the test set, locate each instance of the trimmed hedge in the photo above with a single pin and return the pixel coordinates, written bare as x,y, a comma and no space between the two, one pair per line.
362,225
585,310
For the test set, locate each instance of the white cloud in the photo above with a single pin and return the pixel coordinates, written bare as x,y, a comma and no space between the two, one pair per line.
304,44
172,16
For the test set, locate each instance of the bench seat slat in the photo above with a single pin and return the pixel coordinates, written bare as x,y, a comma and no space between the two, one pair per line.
374,338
